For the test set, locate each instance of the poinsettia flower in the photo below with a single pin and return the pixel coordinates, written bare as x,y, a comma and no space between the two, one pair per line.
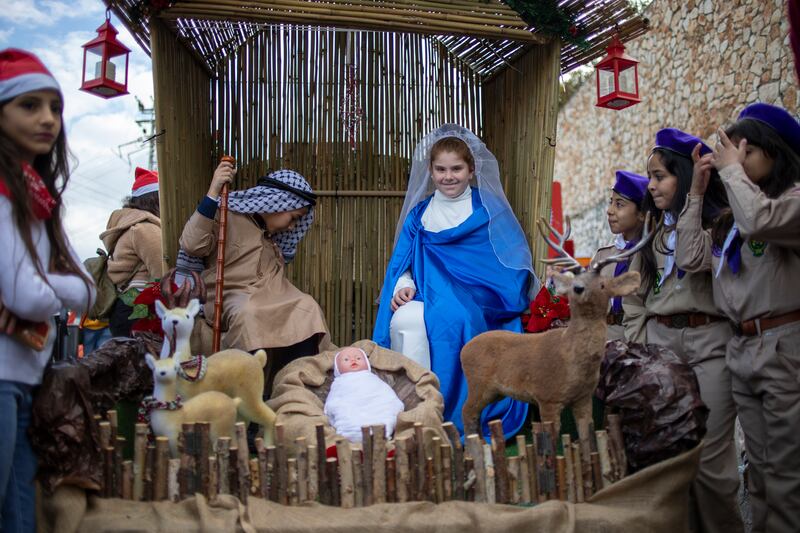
148,324
545,309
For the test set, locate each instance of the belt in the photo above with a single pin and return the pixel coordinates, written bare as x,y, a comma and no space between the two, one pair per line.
687,320
758,325
614,319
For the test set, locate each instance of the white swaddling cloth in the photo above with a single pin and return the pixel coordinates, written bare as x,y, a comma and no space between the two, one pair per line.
361,399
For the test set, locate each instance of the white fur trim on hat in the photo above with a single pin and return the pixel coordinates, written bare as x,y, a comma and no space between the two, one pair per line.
25,83
144,189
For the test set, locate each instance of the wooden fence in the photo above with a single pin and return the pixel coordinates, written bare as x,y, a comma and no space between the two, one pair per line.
363,474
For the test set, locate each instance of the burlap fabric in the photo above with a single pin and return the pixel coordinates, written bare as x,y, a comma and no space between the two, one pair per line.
653,500
301,388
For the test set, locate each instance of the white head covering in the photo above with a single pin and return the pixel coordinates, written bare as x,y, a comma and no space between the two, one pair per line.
508,240
336,372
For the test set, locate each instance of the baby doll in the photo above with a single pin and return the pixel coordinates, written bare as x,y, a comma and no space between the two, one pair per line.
358,397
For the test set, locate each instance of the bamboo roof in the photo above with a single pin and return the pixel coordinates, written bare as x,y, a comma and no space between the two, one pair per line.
486,34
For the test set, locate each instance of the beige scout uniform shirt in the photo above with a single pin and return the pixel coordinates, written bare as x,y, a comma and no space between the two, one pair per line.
133,238
632,328
690,294
767,282
261,308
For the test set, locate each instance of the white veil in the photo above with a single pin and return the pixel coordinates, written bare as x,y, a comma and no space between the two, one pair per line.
505,233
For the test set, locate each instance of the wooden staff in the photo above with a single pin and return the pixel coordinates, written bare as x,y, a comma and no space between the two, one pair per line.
221,237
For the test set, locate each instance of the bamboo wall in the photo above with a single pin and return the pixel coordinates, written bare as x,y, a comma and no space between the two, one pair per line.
276,104
181,88
520,110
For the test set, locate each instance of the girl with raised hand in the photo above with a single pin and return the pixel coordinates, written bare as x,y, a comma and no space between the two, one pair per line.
753,254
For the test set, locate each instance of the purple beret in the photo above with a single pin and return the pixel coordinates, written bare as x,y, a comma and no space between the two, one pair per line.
631,186
778,119
679,142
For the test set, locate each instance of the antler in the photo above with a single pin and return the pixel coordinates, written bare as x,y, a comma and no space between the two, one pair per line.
566,261
647,236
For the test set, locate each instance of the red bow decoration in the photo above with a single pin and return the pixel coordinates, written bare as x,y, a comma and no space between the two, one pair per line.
545,309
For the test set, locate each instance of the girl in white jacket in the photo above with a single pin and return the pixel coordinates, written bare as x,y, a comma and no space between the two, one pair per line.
39,272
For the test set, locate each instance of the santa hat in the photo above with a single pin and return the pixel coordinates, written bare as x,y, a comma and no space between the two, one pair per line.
146,181
21,72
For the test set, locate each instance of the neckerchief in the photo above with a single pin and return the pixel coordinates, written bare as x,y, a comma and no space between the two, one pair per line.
200,362
149,403
42,202
731,251
621,244
672,243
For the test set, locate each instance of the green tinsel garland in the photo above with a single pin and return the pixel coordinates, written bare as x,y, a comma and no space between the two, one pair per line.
547,17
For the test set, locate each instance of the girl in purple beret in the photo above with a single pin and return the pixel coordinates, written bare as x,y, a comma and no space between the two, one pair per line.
681,315
753,256
625,219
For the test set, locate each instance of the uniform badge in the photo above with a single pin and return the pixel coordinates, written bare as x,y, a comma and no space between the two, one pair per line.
757,247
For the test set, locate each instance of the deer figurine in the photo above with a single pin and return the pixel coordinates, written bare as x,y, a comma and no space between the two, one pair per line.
169,411
556,368
233,372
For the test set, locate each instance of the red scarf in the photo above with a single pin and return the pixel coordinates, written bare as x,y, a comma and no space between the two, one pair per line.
42,201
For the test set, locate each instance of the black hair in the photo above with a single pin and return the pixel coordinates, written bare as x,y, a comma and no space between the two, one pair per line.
146,202
785,166
714,202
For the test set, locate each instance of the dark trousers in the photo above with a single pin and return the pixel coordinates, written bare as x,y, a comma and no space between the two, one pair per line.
277,358
118,321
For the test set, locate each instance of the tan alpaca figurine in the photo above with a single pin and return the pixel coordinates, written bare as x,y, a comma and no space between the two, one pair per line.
216,408
556,368
233,372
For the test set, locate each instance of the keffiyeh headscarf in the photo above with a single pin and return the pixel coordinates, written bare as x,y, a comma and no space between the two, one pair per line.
277,192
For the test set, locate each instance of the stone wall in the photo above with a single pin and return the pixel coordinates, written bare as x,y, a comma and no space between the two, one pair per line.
700,64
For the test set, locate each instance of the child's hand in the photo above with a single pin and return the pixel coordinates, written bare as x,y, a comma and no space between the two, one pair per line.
726,153
701,173
7,320
222,176
402,297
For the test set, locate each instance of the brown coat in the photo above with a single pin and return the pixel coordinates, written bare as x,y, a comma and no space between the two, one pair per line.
632,328
261,308
133,238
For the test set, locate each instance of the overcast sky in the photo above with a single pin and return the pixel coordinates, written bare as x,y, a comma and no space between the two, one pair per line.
99,132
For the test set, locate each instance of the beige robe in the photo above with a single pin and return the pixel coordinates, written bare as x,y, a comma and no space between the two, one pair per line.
714,503
261,307
765,368
632,328
133,238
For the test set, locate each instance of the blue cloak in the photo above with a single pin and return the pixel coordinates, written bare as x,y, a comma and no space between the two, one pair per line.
466,291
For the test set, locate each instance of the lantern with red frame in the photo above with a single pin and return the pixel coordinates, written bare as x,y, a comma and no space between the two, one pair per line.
106,72
617,78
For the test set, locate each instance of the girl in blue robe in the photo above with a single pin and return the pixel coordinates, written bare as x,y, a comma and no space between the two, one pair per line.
460,266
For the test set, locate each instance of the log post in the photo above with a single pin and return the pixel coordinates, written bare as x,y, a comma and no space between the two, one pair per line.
213,478
404,487
358,474
346,486
586,458
255,477
616,437
530,451
436,443
549,434
313,474
261,453
291,476
447,471
149,470
108,471
202,430
499,459
104,427
173,487
566,444
162,468
488,460
188,468
577,467
458,458
475,450
139,452
332,479
607,473
233,470
379,463
111,415
272,473
127,480
421,458
301,452
223,455
524,470
280,464
367,468
561,472
243,461
119,447
391,480
514,481
322,469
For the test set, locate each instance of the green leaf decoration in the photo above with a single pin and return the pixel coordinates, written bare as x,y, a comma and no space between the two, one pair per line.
139,311
547,17
129,296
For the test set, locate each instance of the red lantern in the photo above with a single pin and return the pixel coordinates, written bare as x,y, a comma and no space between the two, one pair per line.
106,73
617,78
